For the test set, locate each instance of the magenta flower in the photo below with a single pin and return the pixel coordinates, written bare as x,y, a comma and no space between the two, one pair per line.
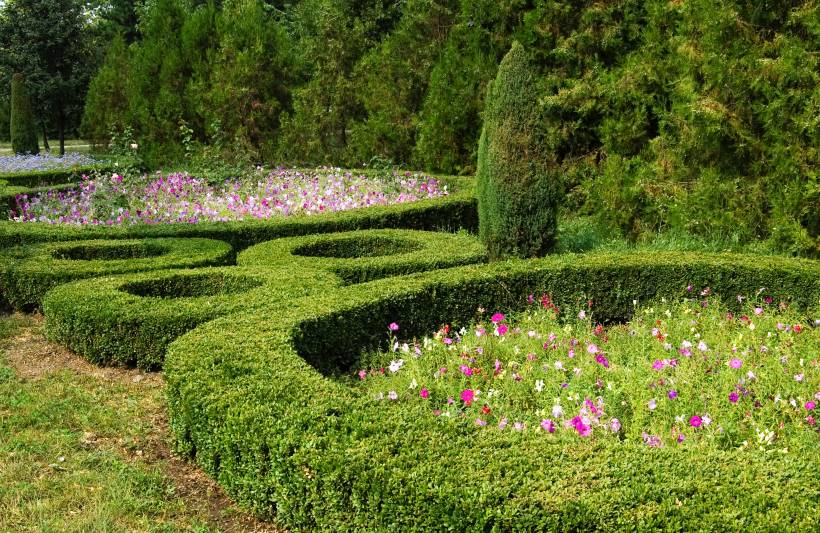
424,393
736,363
658,364
466,370
501,330
681,438
695,421
393,326
733,397
602,360
496,318
672,394
583,429
810,406
547,425
467,396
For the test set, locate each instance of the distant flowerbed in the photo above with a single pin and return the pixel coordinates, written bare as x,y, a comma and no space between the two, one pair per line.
180,197
10,164
681,374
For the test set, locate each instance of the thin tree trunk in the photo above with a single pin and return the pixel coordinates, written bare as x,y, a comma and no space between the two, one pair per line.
45,138
61,128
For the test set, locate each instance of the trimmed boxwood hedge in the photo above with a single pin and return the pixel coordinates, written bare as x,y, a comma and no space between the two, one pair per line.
28,272
131,319
41,178
250,399
362,256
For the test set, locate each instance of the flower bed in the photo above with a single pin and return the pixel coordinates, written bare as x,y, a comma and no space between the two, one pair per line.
179,197
685,374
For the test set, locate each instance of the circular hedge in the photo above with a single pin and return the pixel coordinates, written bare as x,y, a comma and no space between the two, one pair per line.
360,256
28,272
251,398
131,319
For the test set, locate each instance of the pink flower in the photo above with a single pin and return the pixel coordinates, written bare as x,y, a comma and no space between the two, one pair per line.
519,426
579,425
658,364
735,363
582,315
615,425
652,404
502,423
733,397
466,370
681,438
501,330
695,421
362,374
480,422
496,318
593,349
810,406
393,326
547,425
447,340
467,396
758,311
424,393
602,360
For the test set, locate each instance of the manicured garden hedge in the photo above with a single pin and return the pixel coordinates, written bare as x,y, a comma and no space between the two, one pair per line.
250,398
28,272
41,178
131,319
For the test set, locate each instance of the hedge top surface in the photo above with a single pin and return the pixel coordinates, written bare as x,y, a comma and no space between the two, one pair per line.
129,319
113,257
247,396
28,272
360,256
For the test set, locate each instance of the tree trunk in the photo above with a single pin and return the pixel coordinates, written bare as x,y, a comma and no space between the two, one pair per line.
61,131
45,139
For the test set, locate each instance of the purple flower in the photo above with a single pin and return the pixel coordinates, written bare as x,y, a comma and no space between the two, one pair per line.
733,397
672,394
547,425
652,404
615,425
600,359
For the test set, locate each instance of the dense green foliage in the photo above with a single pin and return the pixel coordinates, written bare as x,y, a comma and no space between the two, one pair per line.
132,319
28,272
51,43
23,130
694,117
517,183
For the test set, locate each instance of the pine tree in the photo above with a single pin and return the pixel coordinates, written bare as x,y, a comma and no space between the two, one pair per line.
23,128
518,189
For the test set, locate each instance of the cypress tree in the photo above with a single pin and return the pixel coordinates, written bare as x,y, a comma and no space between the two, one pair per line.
518,188
23,128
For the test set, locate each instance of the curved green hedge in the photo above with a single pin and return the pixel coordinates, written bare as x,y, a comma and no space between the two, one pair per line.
28,272
362,256
131,319
41,178
249,400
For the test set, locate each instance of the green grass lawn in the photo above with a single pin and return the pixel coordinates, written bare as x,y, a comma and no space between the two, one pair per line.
84,448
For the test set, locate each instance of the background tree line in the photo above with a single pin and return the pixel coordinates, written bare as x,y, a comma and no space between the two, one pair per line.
699,115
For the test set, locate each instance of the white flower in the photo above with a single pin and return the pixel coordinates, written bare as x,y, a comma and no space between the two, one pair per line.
393,395
414,384
395,366
702,346
706,420
559,365
539,385
405,348
557,411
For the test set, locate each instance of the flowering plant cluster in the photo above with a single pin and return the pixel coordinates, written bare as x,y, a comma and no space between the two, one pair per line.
180,197
10,164
678,374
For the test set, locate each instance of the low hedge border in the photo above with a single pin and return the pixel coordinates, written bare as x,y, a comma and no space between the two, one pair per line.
102,321
28,272
247,401
42,178
456,211
361,256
